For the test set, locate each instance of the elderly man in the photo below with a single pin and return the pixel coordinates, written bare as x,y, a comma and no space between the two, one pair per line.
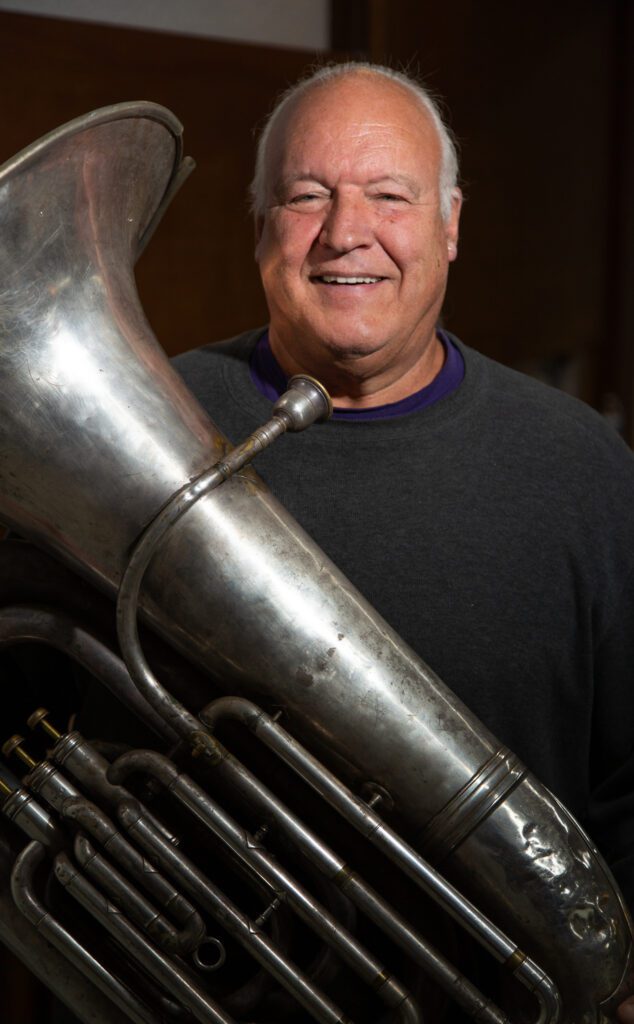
486,517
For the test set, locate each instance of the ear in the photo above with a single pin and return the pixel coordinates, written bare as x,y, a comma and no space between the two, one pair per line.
452,225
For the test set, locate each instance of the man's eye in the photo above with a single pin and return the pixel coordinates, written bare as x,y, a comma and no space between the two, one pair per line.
306,197
391,197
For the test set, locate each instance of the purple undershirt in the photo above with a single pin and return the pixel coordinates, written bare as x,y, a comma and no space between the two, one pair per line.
271,381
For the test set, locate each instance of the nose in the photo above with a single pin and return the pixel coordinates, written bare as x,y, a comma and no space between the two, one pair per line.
346,224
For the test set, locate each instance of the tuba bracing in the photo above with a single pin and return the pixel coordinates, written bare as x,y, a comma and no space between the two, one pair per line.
181,881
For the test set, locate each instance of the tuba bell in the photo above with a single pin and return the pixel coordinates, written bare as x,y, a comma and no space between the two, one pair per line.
111,860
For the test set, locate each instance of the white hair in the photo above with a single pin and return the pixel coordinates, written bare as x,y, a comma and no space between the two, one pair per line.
449,155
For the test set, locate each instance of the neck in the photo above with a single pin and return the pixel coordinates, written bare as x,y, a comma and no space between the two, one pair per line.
357,382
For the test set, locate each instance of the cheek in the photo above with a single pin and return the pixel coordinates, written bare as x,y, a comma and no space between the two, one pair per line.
286,241
423,255
407,240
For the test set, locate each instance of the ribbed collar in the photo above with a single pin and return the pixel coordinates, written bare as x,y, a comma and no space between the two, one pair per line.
271,381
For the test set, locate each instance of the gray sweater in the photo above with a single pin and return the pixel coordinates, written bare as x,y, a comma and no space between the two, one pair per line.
494,532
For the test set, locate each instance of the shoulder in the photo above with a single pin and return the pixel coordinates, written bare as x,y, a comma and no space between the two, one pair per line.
219,378
206,358
220,370
543,420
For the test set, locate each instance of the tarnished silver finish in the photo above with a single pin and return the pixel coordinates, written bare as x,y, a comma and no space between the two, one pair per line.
191,931
165,970
465,994
88,767
98,436
62,796
51,785
32,818
61,939
360,815
302,404
236,923
256,856
56,969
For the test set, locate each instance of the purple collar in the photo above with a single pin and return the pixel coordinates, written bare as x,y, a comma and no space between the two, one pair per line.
270,380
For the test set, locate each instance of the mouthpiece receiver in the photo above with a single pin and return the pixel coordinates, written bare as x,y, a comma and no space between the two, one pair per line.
304,402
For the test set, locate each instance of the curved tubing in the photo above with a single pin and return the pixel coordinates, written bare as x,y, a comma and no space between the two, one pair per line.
371,826
27,902
22,624
252,854
90,818
167,972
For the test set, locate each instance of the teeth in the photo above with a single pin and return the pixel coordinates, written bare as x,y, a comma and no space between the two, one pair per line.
336,279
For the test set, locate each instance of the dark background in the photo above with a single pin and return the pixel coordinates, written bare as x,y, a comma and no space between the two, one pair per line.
541,99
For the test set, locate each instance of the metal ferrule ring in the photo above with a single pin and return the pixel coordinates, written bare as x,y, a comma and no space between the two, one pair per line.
485,791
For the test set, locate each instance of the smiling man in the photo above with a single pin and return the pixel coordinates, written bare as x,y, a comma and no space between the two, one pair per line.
487,517
355,238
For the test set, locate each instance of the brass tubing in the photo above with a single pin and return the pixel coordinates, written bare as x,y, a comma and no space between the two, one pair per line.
360,892
21,624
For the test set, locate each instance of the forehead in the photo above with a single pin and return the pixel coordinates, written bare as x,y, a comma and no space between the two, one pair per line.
357,124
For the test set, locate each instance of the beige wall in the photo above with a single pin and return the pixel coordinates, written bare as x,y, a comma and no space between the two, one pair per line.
301,24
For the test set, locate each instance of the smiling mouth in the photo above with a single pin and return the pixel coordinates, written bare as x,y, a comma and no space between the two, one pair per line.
340,279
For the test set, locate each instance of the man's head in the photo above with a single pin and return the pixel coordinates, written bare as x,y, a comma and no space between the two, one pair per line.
448,180
357,213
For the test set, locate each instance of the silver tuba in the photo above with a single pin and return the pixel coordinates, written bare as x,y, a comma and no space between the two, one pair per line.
175,882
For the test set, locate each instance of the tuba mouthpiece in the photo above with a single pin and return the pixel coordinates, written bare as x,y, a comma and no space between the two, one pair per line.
306,401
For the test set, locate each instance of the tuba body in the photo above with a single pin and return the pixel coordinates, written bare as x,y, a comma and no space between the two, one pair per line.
97,436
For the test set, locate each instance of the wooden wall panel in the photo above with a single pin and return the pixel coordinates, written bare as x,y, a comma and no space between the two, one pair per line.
197,278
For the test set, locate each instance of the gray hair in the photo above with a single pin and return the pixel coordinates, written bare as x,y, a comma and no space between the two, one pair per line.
448,148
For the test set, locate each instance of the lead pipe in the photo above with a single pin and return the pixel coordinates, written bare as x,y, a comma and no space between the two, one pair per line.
305,402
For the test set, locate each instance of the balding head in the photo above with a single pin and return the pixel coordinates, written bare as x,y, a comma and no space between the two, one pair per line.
448,167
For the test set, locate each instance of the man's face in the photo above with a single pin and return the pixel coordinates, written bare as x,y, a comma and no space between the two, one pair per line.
353,250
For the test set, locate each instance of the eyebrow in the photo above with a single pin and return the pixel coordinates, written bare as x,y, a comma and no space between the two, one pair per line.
294,179
398,179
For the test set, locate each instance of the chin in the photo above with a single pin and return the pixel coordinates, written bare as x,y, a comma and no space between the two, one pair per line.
351,347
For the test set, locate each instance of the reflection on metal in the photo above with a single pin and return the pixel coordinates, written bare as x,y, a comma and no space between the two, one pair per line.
107,462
